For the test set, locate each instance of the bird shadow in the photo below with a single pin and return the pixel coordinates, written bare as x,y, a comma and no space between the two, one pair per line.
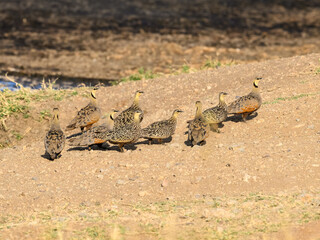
102,147
74,135
46,156
155,142
189,144
238,118
95,147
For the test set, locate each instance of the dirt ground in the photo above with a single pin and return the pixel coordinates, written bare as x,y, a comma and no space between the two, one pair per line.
274,154
255,180
107,40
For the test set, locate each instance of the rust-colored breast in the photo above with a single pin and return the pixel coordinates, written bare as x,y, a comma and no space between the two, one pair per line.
249,108
93,120
98,141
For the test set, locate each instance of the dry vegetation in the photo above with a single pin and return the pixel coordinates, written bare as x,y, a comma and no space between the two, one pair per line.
209,218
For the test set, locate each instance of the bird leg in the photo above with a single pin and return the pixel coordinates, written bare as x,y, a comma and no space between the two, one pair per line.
214,127
88,127
244,116
121,147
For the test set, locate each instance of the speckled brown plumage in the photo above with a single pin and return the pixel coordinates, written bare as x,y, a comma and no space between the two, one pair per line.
87,116
95,135
247,104
161,129
127,116
55,138
129,133
198,128
217,114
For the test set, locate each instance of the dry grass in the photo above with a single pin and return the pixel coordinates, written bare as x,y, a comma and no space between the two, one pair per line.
19,104
209,218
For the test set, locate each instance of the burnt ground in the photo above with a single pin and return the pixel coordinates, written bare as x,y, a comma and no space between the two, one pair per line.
112,39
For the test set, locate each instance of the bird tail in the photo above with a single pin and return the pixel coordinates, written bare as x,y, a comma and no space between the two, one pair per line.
82,140
70,127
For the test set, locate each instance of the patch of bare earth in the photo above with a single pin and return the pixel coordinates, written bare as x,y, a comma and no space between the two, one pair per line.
252,179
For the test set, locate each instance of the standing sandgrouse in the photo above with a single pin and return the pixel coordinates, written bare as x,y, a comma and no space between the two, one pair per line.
247,104
87,116
198,128
55,138
162,129
217,114
95,135
127,116
130,132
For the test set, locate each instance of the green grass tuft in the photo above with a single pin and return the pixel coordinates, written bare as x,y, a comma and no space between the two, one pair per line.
280,99
140,75
211,64
185,68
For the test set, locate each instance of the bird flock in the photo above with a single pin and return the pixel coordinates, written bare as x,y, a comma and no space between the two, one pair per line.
125,128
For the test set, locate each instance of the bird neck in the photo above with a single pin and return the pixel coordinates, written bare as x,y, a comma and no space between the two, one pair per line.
55,123
255,88
199,111
93,100
137,118
110,120
174,116
136,100
222,103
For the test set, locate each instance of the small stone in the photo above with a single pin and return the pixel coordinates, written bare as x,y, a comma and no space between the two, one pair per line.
34,178
142,193
100,176
311,126
120,182
164,183
260,120
197,196
220,145
246,177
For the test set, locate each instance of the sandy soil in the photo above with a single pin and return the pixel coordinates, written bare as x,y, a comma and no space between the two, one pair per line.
276,152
